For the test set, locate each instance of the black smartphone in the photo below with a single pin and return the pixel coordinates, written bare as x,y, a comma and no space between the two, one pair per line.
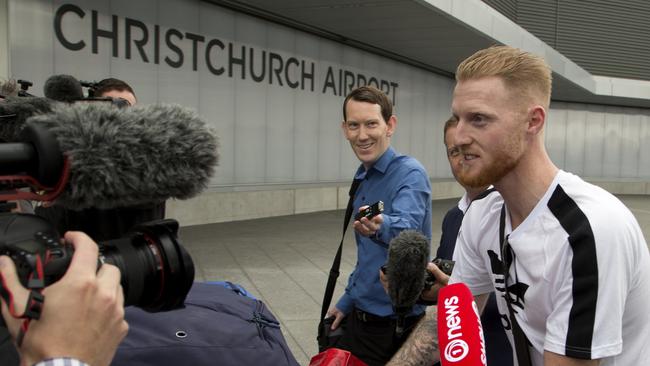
370,211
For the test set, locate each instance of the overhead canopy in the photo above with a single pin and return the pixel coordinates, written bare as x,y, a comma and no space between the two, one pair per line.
437,35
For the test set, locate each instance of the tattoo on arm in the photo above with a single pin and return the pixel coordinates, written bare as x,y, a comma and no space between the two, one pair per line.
421,347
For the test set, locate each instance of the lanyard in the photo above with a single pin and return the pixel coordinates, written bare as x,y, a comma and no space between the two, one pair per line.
507,255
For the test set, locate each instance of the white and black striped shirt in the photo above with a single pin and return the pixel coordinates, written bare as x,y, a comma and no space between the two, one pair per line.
580,273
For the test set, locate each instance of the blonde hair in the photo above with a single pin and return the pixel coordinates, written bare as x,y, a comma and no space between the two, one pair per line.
523,73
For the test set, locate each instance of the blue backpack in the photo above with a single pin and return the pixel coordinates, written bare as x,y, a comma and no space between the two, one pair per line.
221,324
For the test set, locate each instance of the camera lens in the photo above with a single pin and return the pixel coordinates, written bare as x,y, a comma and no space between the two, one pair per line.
157,272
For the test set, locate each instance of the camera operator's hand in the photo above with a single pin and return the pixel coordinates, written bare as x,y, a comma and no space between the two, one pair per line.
441,281
82,315
368,227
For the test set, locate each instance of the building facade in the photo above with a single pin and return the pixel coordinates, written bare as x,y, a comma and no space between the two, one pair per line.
270,78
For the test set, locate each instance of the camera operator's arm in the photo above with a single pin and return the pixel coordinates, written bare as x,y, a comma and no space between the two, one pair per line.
83,313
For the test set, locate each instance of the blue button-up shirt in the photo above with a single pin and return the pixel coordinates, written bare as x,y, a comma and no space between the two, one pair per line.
402,183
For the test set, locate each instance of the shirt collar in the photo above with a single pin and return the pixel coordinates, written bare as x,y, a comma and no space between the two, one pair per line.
464,202
381,165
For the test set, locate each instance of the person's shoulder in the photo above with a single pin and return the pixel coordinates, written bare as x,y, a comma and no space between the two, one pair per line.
453,214
576,204
484,209
574,193
406,162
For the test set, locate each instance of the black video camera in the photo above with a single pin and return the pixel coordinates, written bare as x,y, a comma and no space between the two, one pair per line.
445,265
157,272
91,86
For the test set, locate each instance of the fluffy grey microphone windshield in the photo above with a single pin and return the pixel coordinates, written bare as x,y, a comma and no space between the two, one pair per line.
64,88
408,255
14,111
129,156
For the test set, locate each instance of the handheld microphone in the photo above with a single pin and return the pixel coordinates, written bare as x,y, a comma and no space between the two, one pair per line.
126,157
63,88
408,254
460,334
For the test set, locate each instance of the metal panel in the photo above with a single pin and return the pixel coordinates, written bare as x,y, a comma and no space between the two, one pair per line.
217,97
555,134
406,112
307,121
630,144
141,75
505,7
612,143
606,37
600,142
250,106
280,136
441,111
594,140
539,17
331,144
575,141
4,39
174,83
417,120
644,148
35,20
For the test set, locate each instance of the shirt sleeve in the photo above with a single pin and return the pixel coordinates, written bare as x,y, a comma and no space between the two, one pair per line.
470,267
345,303
408,207
581,324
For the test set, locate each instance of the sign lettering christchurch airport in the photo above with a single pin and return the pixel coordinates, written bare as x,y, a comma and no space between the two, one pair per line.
221,58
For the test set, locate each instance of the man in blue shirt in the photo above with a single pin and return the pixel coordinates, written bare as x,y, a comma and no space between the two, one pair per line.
402,183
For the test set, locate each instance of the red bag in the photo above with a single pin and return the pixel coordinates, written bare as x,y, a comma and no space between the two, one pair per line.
335,357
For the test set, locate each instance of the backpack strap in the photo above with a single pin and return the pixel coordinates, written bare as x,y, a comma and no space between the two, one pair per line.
334,271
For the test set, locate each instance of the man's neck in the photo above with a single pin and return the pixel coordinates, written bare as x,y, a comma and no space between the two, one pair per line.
472,193
369,165
525,186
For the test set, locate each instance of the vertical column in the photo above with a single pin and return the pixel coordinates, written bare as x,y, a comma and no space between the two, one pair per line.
4,39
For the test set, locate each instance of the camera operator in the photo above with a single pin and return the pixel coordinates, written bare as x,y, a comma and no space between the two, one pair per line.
115,88
82,316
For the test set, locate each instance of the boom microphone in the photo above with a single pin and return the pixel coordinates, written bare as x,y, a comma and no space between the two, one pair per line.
408,255
460,334
63,88
127,157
